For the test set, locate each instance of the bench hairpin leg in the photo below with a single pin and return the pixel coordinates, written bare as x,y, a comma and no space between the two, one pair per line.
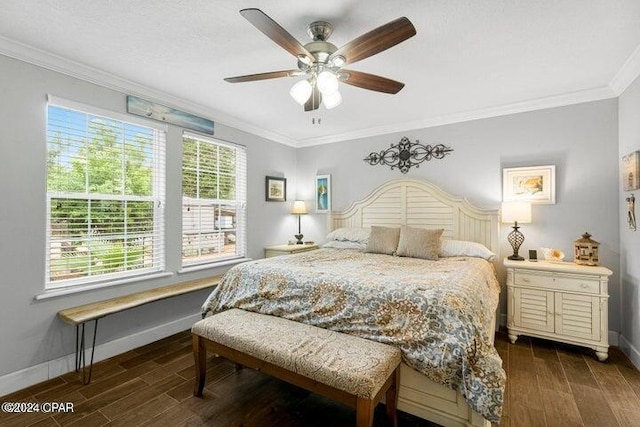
81,360
77,347
87,380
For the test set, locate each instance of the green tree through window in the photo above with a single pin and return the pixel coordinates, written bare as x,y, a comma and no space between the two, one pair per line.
105,200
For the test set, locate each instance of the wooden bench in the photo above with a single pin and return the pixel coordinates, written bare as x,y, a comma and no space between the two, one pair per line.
82,314
349,369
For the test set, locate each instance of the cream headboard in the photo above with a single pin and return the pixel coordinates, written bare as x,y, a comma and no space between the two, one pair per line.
421,204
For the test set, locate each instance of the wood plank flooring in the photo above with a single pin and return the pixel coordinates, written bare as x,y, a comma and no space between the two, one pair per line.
548,385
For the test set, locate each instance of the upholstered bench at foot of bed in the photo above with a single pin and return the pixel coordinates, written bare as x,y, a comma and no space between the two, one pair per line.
349,369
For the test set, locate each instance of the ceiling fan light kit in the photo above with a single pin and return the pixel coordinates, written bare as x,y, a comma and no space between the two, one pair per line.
332,101
301,91
321,62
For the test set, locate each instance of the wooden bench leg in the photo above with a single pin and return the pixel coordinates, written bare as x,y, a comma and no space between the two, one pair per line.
200,359
364,412
391,399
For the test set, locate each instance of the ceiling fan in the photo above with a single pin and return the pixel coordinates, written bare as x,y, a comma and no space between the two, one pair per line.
320,62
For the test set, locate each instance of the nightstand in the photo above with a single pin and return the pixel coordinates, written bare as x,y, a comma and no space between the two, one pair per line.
278,250
561,301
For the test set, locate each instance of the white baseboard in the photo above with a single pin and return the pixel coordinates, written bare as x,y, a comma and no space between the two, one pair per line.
24,378
614,338
632,353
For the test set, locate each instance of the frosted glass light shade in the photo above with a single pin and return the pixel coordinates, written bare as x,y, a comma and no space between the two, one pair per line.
332,101
516,211
327,83
301,91
299,208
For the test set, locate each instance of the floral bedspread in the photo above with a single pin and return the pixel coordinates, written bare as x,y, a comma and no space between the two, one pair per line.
437,312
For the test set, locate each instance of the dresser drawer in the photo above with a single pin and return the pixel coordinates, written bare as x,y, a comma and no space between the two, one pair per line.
558,281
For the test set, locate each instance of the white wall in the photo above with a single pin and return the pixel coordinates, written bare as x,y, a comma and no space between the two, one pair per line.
581,140
30,331
629,129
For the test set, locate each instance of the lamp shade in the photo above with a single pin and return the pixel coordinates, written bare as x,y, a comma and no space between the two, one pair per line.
299,208
516,211
327,83
332,101
301,91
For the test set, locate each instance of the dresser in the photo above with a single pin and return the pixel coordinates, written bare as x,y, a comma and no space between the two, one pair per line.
278,250
562,301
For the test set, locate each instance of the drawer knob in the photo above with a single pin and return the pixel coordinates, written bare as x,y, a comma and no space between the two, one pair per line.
584,285
525,280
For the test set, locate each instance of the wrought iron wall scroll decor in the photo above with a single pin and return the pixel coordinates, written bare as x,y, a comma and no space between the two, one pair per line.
406,154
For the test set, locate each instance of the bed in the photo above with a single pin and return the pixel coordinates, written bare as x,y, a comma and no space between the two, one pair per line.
440,313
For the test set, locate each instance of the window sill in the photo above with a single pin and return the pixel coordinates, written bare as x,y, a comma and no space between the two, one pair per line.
54,293
198,267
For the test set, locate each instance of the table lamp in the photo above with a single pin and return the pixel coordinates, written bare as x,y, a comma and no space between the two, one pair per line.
516,212
299,208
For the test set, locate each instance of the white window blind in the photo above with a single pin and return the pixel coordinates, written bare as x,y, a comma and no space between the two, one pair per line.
214,193
105,196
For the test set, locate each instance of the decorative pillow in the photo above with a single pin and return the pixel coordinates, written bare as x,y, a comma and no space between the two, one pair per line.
338,244
350,234
383,240
419,243
464,248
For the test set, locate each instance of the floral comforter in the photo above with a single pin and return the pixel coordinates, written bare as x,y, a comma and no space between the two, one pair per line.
437,312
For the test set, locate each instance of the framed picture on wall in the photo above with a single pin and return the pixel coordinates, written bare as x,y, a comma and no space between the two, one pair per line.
631,171
536,184
275,189
323,193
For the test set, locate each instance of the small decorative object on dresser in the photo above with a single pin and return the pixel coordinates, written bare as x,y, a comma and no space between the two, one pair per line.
514,212
299,208
585,250
559,301
278,250
552,255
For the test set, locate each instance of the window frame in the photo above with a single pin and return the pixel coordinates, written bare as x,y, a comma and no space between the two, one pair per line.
240,202
157,197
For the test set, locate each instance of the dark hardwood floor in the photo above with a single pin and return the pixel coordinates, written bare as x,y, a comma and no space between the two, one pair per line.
548,385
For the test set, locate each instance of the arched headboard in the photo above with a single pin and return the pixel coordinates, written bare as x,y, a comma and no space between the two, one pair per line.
420,203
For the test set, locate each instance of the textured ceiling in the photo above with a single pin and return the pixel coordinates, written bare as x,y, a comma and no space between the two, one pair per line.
469,58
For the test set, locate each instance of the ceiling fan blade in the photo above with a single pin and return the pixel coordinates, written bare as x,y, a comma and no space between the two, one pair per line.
370,81
275,32
263,76
314,101
375,41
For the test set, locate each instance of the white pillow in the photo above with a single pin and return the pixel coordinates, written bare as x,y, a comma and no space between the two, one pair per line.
350,234
451,248
338,244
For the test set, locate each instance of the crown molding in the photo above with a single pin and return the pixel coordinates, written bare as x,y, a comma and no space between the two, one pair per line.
596,94
627,74
63,65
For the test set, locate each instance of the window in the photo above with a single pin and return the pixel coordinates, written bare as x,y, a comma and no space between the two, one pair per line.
213,200
105,195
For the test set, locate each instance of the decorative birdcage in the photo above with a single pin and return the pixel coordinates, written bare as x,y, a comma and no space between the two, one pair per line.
585,250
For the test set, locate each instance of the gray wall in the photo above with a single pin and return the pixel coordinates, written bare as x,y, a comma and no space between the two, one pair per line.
629,129
30,332
581,140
